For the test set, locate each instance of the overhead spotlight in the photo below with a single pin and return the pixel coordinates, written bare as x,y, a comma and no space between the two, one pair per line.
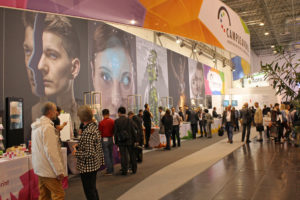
272,46
274,52
195,50
178,40
266,33
261,24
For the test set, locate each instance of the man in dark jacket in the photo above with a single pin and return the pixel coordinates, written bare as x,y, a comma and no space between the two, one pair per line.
140,136
167,121
147,115
194,120
125,138
246,116
229,122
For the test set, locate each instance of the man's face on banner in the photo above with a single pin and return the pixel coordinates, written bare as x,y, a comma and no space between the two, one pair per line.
28,48
113,76
197,83
55,64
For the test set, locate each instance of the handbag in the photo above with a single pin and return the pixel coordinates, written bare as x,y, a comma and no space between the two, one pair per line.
260,128
221,131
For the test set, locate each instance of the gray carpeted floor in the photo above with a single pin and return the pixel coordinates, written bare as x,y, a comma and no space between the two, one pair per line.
111,187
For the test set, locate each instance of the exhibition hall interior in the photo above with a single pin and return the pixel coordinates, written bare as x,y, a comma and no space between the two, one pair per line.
150,99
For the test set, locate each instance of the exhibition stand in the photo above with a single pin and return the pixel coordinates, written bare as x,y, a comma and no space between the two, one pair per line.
17,179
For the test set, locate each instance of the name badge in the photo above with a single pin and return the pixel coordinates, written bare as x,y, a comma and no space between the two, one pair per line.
105,139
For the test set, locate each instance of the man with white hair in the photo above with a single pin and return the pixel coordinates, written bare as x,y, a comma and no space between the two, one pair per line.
47,160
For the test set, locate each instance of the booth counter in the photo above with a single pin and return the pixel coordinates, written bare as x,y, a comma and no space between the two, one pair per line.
17,179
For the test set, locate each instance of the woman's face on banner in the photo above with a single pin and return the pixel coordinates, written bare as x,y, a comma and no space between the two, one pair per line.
197,83
113,77
55,65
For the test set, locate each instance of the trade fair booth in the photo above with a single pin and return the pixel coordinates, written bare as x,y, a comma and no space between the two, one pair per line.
157,52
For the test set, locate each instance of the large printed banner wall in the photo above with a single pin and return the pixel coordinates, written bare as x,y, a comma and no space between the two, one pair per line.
58,58
208,21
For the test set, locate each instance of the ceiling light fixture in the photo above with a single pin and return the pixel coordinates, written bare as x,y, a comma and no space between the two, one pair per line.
274,52
272,46
132,22
178,40
266,33
261,24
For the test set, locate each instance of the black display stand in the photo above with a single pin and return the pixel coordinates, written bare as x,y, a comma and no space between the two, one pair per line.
14,121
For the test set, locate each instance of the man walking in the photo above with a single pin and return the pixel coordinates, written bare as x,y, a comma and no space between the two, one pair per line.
175,129
246,120
147,115
228,122
258,120
47,160
140,136
193,116
106,128
125,138
201,116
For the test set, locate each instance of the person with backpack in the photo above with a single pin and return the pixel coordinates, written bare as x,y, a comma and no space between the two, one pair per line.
140,135
246,120
126,139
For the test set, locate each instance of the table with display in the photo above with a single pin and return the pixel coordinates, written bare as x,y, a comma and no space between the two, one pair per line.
17,179
185,128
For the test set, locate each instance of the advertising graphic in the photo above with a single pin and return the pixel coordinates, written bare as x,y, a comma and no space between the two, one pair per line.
152,74
214,81
178,79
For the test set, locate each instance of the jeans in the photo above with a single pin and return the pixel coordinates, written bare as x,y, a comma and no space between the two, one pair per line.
268,131
237,127
88,180
202,127
246,127
148,133
229,128
194,130
126,150
50,188
168,137
107,145
175,133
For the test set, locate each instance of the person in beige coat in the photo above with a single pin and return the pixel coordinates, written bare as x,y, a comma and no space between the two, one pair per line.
258,120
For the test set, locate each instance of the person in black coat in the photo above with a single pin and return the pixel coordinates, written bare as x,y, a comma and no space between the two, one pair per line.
147,116
167,121
126,139
140,136
194,121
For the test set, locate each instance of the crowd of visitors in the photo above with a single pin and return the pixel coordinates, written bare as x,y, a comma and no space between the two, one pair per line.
96,144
